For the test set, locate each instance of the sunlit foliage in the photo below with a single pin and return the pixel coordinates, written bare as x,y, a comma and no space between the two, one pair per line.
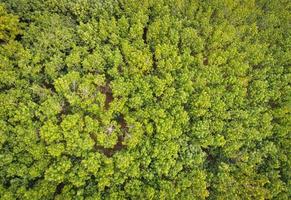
151,99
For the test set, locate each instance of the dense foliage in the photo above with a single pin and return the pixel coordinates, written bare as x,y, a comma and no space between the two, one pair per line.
153,99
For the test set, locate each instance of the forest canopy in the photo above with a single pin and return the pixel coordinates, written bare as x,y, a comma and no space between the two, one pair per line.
151,99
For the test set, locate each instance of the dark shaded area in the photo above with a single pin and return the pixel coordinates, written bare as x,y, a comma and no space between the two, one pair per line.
59,189
205,61
120,119
49,86
33,182
2,42
144,35
120,70
18,37
75,159
5,88
110,151
154,61
273,104
209,156
65,108
64,111
106,90
6,183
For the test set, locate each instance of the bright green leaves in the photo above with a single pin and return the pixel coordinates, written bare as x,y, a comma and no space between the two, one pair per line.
107,31
144,99
124,161
73,61
91,125
164,30
138,61
167,58
76,143
68,83
56,149
10,49
9,25
83,92
49,34
201,104
94,62
230,177
165,153
92,163
190,39
258,91
134,134
52,135
56,172
222,36
50,108
54,66
107,138
50,132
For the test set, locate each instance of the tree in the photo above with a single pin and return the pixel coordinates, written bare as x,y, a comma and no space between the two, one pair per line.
148,99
